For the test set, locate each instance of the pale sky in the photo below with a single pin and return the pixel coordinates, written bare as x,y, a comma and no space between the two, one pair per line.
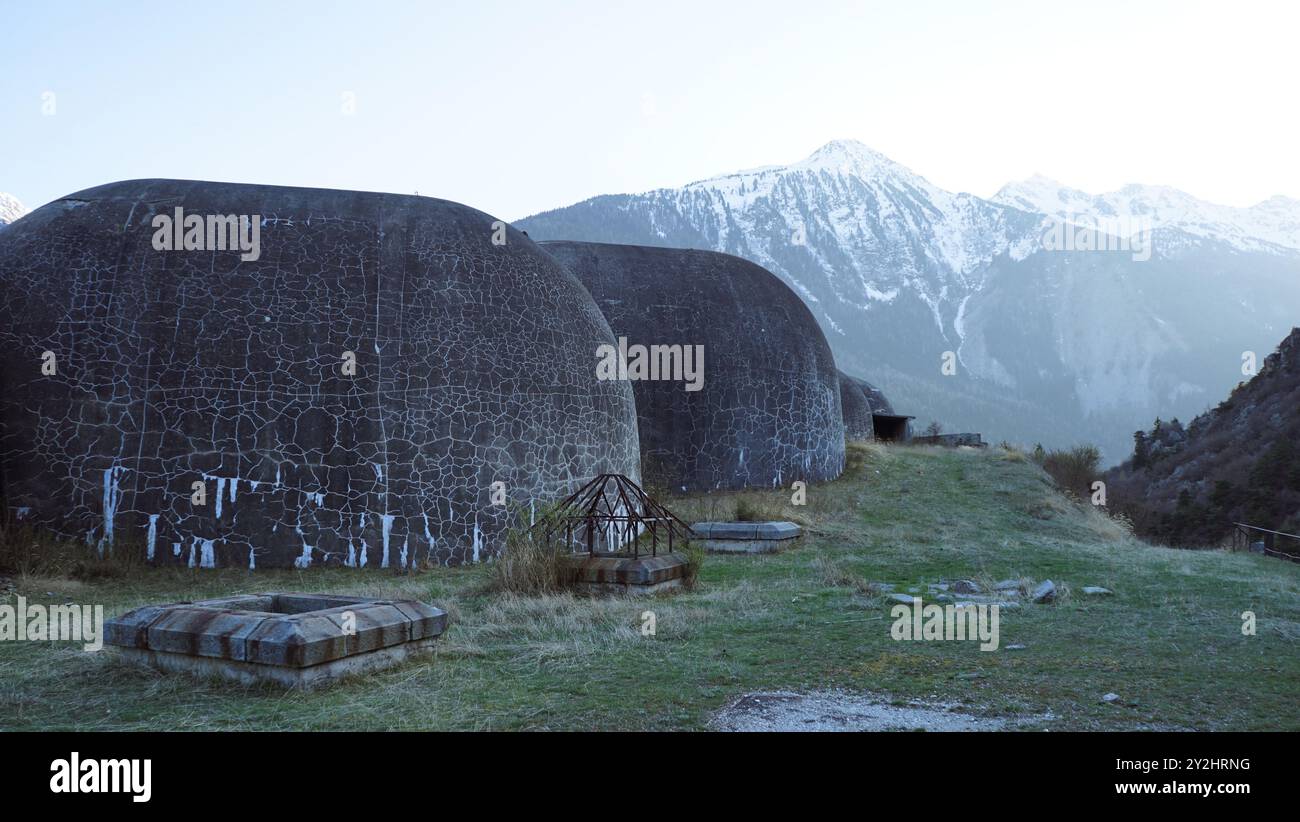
518,107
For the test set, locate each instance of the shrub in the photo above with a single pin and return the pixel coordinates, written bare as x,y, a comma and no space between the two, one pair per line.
1074,470
527,565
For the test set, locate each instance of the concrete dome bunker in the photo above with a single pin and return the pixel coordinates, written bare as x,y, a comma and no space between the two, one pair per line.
471,365
768,412
857,409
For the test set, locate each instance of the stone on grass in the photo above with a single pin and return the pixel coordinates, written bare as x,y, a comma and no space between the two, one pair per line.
986,598
1045,592
1007,585
965,586
904,599
1111,697
1002,604
1094,590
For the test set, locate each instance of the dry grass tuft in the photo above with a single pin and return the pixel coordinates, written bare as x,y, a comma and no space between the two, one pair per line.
694,561
26,551
526,565
1010,453
836,575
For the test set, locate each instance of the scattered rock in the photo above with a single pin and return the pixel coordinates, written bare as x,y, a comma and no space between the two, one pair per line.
905,599
938,586
1002,604
965,586
914,590
1007,585
1094,590
1110,697
882,586
1016,647
1045,592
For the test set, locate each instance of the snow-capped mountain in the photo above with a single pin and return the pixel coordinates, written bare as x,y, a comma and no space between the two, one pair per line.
1267,226
10,209
847,228
876,210
1052,346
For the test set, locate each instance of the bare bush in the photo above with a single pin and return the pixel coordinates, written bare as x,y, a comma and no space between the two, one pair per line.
1074,470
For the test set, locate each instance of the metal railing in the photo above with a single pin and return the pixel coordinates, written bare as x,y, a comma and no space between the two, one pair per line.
1266,541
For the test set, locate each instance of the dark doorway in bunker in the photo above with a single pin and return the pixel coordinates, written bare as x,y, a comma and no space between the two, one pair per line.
892,427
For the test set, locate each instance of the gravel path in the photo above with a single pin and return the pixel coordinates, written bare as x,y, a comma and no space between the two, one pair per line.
839,711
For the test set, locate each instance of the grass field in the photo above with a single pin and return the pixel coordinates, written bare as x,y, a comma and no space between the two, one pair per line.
1169,641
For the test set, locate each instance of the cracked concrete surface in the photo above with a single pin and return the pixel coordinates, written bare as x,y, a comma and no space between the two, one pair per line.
474,364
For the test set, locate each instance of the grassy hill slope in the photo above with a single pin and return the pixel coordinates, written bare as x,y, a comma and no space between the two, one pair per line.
1169,641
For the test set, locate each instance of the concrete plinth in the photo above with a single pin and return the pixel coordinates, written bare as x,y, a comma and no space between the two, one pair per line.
622,574
248,673
298,640
745,537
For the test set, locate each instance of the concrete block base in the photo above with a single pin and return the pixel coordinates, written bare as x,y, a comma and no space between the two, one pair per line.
745,537
620,590
248,673
292,639
743,546
621,574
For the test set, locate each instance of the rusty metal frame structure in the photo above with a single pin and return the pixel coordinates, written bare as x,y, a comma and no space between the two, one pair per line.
613,500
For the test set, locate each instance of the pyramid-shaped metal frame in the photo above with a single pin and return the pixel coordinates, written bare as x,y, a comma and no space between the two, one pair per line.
613,503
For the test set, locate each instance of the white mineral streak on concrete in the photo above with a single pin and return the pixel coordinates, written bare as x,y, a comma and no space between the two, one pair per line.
388,527
152,536
112,497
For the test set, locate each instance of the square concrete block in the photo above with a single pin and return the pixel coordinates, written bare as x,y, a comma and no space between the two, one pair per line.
289,638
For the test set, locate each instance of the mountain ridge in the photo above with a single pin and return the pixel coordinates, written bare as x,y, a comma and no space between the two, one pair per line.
1269,223
1053,346
1237,462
